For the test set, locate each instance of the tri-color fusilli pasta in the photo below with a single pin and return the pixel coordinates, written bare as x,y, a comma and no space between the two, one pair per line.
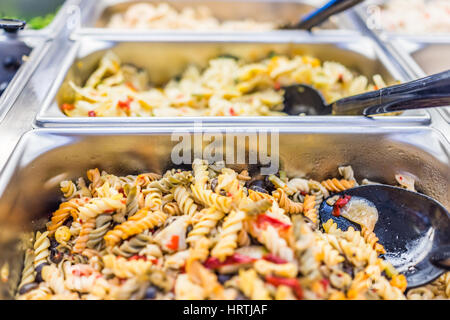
209,233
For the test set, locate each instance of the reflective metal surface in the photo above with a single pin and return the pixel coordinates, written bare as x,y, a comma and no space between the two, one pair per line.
44,157
39,47
425,56
96,14
369,12
28,9
164,59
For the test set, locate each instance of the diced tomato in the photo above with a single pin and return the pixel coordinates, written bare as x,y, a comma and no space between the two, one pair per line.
303,193
341,202
125,105
273,258
131,86
341,77
173,244
154,261
109,211
92,113
325,283
137,257
232,112
277,85
376,88
67,106
236,258
290,282
336,211
122,191
264,219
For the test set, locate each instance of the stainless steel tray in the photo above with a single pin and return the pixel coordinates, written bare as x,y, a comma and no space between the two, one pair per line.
31,8
96,14
44,157
167,58
39,47
368,12
425,56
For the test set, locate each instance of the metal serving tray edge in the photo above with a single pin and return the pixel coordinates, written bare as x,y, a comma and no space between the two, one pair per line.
407,48
68,8
44,157
365,11
39,47
345,50
287,11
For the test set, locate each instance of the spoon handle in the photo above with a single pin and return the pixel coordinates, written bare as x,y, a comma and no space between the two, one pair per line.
321,14
428,92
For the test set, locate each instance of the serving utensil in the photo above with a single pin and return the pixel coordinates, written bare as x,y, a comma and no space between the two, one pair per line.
323,13
413,228
429,92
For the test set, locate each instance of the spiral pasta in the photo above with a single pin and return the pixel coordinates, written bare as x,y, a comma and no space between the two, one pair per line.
141,221
209,233
207,222
336,185
172,209
123,268
228,236
41,251
287,204
185,201
103,223
60,215
309,208
28,273
86,229
132,246
98,206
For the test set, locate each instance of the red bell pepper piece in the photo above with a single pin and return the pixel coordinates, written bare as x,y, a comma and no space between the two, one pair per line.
264,219
273,258
236,258
173,244
290,282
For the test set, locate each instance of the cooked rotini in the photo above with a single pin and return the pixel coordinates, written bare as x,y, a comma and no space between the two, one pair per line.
335,185
41,251
132,246
287,204
103,223
208,233
207,222
228,236
136,224
226,87
185,202
28,273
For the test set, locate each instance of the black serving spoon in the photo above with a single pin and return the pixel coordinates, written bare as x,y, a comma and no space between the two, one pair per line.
323,13
428,92
413,228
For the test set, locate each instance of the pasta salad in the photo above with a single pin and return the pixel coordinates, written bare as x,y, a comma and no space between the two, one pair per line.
208,233
227,87
163,16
